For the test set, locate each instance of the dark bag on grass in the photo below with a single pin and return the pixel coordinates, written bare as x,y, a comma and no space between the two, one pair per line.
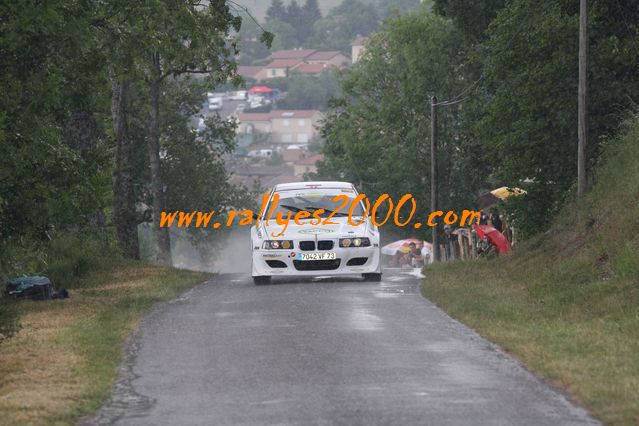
34,288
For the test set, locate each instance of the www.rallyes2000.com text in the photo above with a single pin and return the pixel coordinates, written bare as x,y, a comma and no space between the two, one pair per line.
322,217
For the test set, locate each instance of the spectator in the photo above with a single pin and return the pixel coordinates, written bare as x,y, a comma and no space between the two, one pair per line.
496,221
451,240
483,220
412,258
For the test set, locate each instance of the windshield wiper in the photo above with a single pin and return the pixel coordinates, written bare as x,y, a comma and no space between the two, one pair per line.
313,209
292,208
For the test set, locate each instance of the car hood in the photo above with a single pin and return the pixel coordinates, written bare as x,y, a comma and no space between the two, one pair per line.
340,229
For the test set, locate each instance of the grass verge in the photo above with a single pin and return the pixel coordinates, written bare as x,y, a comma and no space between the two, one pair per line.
63,362
566,303
586,341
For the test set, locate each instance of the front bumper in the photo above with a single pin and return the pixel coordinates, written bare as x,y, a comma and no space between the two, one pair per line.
349,261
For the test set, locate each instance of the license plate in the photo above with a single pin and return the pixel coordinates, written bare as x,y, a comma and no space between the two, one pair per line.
317,256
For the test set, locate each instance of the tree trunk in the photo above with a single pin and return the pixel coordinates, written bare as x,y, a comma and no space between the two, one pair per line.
157,189
124,197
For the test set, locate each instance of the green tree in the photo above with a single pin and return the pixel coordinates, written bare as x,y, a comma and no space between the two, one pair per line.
293,13
252,48
310,92
310,14
343,23
176,38
529,118
53,167
276,10
471,17
284,34
377,135
385,8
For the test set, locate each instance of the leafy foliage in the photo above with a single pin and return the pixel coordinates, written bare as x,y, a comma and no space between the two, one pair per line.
472,18
276,10
378,134
343,24
45,182
310,92
56,140
529,119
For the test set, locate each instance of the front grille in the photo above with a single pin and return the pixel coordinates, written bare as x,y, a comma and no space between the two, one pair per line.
324,245
316,265
276,264
307,245
357,261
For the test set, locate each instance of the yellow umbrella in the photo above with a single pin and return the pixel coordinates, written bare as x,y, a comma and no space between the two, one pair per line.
505,192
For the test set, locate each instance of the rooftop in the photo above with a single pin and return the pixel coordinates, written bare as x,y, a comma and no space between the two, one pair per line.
310,68
323,55
284,63
292,54
248,71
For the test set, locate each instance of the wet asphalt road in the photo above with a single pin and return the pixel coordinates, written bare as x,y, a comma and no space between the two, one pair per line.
322,352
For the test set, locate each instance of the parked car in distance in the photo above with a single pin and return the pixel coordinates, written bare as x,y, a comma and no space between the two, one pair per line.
215,104
239,95
240,107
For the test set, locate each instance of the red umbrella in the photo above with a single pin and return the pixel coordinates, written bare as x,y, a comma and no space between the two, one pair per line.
494,236
260,89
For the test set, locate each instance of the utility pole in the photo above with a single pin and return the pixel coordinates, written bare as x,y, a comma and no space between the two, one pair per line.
433,173
582,97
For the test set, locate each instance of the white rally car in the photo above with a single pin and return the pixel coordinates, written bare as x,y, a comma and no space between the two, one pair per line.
312,246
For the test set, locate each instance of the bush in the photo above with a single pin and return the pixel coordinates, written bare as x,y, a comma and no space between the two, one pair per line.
65,258
73,255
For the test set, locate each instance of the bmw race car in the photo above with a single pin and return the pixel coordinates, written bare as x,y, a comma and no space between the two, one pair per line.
314,236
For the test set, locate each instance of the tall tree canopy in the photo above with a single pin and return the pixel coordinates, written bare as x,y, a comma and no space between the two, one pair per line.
343,24
276,10
471,17
85,80
528,121
378,134
53,168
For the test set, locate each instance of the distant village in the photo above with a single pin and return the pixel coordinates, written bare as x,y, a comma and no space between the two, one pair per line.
276,145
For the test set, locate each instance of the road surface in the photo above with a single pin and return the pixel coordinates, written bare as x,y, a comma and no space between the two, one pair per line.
322,352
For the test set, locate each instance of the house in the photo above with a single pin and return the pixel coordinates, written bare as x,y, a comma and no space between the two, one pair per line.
292,154
263,177
329,58
254,122
307,165
357,48
278,68
309,69
248,71
294,126
285,126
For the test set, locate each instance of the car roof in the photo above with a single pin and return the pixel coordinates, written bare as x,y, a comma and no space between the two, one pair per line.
312,185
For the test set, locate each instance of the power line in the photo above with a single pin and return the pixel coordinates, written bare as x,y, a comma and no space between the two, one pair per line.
456,99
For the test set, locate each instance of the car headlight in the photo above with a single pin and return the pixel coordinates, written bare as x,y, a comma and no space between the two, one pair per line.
278,244
354,242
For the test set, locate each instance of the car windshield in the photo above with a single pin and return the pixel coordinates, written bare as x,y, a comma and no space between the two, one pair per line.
311,201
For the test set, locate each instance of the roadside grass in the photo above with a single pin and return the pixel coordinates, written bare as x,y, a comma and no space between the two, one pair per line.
63,362
566,303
